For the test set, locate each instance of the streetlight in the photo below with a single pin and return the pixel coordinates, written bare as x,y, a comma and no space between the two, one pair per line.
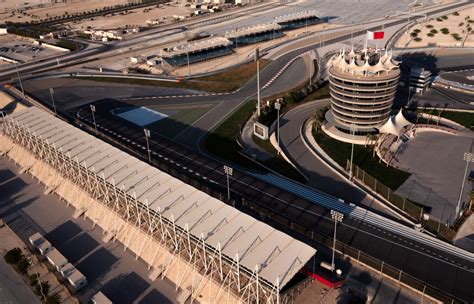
228,171
468,158
51,92
278,107
147,136
19,80
258,87
93,117
337,217
352,151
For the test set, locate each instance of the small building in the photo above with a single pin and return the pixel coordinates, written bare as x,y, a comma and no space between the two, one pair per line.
73,276
40,243
100,298
56,259
420,80
36,239
137,59
3,31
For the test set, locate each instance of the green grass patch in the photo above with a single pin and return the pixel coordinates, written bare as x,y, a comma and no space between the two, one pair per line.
465,119
175,124
277,162
226,81
222,141
320,93
341,152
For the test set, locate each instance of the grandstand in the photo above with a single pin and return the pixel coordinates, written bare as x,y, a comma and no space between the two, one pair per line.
197,51
163,220
254,34
298,20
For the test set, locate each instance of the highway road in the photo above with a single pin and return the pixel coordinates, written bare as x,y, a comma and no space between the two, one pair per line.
441,268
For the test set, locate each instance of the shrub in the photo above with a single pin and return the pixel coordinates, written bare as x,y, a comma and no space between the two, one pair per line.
43,288
413,34
429,26
444,17
417,31
53,299
434,31
455,14
34,279
23,265
417,39
430,35
13,256
439,19
461,24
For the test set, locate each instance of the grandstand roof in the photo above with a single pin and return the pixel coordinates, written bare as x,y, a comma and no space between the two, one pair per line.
196,46
252,30
296,16
276,254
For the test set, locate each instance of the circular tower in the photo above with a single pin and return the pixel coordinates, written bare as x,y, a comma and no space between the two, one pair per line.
362,86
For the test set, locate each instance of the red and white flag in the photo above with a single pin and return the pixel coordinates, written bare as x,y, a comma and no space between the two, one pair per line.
374,35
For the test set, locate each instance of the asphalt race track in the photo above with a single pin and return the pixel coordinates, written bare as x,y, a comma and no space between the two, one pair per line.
308,221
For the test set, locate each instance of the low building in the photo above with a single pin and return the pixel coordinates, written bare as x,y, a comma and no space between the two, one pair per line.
40,243
73,276
420,80
56,259
196,51
254,34
100,298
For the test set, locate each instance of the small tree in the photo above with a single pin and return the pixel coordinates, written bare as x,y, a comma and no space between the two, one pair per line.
23,265
13,256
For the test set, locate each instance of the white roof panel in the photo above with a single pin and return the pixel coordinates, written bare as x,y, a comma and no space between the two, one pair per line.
276,254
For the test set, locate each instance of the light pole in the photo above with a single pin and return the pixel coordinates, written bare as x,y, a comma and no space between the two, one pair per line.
187,56
337,217
352,152
51,92
93,117
228,171
278,107
147,136
258,87
468,158
19,80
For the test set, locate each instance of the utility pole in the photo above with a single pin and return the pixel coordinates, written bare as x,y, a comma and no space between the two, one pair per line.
19,80
278,107
352,152
258,87
51,92
147,136
337,217
228,171
187,56
468,158
93,117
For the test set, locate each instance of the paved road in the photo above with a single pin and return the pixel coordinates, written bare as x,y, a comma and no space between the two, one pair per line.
13,290
320,176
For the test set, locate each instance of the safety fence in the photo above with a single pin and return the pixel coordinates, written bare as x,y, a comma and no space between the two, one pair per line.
416,211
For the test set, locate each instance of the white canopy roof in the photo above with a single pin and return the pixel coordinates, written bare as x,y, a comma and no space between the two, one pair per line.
257,244
394,124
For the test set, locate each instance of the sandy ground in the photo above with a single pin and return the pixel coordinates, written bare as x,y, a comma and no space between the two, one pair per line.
439,39
133,18
34,10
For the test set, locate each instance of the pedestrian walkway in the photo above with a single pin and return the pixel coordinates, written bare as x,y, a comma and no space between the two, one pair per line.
9,241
